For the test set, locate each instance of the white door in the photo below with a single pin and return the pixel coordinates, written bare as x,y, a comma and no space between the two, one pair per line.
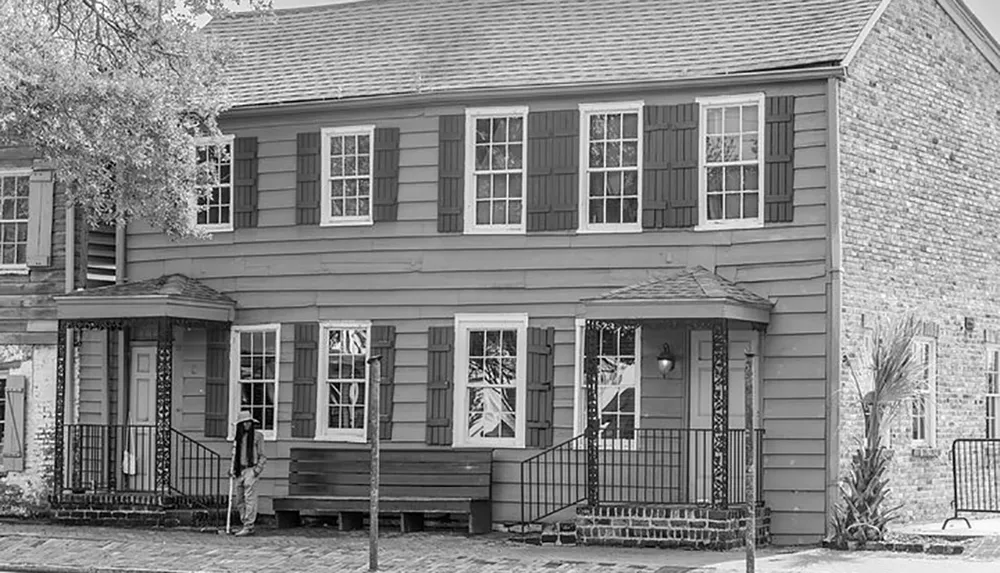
700,444
139,459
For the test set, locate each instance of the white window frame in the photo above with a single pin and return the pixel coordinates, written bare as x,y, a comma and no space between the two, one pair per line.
234,376
993,359
218,227
704,103
471,115
586,110
326,216
18,269
930,439
580,388
460,413
323,432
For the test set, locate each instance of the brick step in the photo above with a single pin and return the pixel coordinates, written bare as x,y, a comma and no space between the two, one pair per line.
562,533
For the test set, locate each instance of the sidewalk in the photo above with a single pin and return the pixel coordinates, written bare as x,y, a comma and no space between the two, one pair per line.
63,549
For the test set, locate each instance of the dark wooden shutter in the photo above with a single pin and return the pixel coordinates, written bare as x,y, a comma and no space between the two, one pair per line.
304,380
779,160
216,382
440,384
553,171
384,344
245,182
385,174
670,166
41,191
307,174
451,173
13,433
541,379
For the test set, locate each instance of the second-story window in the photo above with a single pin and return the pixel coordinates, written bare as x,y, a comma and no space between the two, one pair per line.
993,392
215,192
611,191
14,187
732,162
495,159
347,175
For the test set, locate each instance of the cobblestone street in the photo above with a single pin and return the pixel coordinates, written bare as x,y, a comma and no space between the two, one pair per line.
32,546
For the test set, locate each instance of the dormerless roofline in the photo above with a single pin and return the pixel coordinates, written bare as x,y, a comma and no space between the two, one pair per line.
467,97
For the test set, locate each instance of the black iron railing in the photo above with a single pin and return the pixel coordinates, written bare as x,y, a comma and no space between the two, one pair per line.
975,466
656,466
122,458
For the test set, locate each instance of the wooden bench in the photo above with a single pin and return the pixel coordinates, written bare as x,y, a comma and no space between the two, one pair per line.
412,483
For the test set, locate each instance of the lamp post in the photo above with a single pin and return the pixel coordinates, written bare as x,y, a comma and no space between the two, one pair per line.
374,386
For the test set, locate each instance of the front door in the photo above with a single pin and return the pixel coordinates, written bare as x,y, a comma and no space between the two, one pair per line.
700,446
139,458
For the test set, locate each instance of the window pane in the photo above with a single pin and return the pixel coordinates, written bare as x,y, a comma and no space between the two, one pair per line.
714,117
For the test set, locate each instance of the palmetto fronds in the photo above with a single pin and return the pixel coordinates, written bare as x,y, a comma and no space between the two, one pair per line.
885,372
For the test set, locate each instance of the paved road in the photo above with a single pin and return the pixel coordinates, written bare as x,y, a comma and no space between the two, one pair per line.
316,549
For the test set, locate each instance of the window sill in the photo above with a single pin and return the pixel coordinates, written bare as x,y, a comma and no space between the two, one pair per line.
737,226
925,452
470,230
348,223
14,270
215,228
609,230
343,438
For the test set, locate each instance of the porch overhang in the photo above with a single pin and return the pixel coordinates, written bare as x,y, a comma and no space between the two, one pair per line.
694,293
174,297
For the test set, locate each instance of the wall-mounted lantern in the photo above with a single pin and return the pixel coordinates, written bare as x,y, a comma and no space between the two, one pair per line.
666,360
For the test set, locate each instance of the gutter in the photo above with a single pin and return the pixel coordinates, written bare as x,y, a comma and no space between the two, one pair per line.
470,96
834,299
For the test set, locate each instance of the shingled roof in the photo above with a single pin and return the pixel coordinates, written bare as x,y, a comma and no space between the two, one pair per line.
689,284
392,47
172,286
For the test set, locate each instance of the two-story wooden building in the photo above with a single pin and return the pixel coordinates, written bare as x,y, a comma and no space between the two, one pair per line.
523,207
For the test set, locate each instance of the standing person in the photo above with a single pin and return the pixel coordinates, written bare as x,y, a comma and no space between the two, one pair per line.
247,464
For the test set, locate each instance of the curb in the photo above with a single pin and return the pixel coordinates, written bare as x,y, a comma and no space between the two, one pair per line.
25,568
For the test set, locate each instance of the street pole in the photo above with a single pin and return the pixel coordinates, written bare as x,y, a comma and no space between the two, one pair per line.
374,386
751,462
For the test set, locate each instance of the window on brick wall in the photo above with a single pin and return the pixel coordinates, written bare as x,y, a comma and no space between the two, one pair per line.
992,392
922,405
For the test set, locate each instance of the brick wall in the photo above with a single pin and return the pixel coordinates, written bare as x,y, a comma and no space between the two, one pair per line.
25,492
668,526
921,223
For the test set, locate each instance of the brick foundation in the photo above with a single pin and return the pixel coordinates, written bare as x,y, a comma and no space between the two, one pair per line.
668,526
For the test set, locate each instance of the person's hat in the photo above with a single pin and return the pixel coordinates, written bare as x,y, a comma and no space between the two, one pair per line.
244,416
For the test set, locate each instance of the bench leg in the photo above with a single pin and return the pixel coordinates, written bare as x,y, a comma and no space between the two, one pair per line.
287,519
480,517
409,522
350,520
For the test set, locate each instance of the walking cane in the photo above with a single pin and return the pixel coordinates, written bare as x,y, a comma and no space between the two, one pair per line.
229,508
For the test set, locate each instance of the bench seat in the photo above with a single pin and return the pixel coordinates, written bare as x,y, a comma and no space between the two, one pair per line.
413,483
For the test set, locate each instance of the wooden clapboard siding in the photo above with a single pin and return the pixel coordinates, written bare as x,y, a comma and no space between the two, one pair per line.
27,311
407,274
93,381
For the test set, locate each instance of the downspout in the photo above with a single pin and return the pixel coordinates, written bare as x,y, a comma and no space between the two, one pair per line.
834,299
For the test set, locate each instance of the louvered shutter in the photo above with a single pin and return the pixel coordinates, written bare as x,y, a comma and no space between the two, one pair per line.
41,189
384,344
305,373
541,379
451,173
779,160
440,384
670,166
385,174
553,164
245,182
13,433
216,382
307,179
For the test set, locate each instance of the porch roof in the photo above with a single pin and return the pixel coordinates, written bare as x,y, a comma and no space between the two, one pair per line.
689,293
169,296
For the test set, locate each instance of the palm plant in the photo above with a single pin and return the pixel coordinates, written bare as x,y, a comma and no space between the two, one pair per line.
885,374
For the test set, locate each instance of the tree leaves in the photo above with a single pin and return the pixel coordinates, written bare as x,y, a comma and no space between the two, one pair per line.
113,94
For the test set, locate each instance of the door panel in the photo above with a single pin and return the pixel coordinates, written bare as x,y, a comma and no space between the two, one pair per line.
138,463
700,449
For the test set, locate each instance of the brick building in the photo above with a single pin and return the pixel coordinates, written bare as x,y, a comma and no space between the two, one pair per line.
920,205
